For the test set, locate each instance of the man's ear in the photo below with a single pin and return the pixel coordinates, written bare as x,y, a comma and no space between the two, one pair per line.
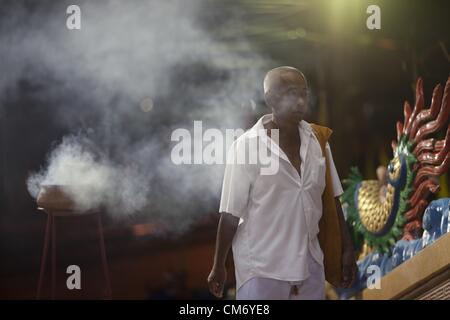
271,98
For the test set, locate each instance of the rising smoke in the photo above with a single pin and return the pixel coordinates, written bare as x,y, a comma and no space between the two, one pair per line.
135,71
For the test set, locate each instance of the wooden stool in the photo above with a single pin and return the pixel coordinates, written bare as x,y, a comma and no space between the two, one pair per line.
53,201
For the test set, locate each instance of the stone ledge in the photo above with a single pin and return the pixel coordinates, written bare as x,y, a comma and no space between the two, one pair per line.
417,275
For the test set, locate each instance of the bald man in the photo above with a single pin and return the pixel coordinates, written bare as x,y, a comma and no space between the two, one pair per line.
272,221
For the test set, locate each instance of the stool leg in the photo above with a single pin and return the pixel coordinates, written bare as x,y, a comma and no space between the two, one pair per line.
103,255
53,257
48,226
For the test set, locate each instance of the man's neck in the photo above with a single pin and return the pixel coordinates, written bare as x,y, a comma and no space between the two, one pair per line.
285,129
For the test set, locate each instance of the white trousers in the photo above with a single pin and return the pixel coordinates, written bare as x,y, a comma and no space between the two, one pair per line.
312,288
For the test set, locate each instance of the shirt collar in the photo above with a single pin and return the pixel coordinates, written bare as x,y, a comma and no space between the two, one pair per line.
259,130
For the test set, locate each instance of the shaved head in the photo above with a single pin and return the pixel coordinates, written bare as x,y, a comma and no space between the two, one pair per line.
280,77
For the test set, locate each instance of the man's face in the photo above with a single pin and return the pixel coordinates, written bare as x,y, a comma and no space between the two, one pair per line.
291,98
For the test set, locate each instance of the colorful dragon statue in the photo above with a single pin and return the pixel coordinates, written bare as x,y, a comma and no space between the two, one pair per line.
380,212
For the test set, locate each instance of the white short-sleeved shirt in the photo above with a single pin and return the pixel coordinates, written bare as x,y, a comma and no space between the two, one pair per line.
279,213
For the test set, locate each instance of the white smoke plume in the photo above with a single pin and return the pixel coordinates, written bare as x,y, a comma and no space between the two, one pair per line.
135,71
92,181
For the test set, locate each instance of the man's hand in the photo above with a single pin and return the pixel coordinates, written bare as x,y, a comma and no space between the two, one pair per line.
216,280
349,268
225,234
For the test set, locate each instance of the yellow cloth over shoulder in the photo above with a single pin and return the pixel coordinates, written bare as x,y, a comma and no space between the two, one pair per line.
330,237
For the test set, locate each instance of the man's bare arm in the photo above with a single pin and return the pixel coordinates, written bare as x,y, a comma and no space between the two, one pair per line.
225,234
348,255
